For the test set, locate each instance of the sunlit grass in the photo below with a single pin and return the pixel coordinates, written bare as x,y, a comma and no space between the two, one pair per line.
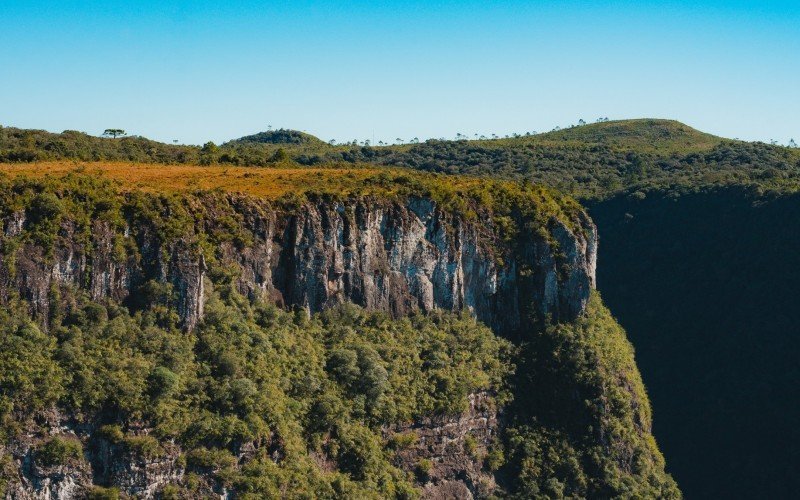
263,182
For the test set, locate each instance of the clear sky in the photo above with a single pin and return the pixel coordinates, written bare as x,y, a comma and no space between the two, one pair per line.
202,70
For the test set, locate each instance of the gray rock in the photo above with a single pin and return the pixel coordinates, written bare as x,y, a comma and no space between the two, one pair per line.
381,255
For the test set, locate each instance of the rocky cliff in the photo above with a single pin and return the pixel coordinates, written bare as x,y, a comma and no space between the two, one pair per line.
172,350
453,447
394,256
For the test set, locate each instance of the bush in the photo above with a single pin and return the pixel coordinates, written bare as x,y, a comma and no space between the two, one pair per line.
44,207
211,459
144,446
401,441
423,470
101,493
111,433
59,451
162,382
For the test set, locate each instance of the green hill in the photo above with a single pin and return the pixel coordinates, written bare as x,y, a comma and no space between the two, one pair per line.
280,136
643,134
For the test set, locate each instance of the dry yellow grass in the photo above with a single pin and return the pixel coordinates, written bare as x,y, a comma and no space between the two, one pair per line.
454,192
263,182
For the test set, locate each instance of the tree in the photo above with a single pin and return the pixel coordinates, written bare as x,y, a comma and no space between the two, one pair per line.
792,144
113,132
280,155
581,122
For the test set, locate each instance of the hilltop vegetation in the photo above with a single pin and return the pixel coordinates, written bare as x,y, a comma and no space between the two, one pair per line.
591,161
280,136
291,185
26,146
599,160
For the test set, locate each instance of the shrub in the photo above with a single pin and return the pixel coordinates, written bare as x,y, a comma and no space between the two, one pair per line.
171,492
423,469
162,382
401,441
111,433
101,493
470,445
44,207
59,451
144,446
213,459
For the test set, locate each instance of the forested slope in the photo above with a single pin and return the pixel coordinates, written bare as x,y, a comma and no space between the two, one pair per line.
706,285
150,347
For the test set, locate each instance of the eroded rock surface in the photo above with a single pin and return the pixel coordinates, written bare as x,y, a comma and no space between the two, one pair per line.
390,256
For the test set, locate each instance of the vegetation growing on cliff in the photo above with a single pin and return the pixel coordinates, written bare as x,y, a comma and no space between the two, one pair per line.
250,373
271,402
581,427
305,388
468,197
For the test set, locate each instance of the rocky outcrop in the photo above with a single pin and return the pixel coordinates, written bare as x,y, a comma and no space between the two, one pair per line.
103,463
37,481
385,255
447,452
451,448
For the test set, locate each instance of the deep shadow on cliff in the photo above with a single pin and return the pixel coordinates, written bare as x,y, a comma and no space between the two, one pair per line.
706,285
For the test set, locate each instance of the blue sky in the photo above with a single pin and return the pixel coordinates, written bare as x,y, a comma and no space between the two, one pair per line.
201,70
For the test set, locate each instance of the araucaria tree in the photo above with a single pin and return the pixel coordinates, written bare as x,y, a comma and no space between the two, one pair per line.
113,132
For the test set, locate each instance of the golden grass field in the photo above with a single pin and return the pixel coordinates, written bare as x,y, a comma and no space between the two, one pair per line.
454,191
263,182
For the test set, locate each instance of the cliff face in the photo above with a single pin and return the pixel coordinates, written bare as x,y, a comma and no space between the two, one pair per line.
104,462
387,256
393,256
454,446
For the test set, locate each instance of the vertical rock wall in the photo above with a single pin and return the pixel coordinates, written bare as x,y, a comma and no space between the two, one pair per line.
389,256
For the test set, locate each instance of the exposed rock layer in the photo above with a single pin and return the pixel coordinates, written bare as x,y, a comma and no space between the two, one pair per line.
382,255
